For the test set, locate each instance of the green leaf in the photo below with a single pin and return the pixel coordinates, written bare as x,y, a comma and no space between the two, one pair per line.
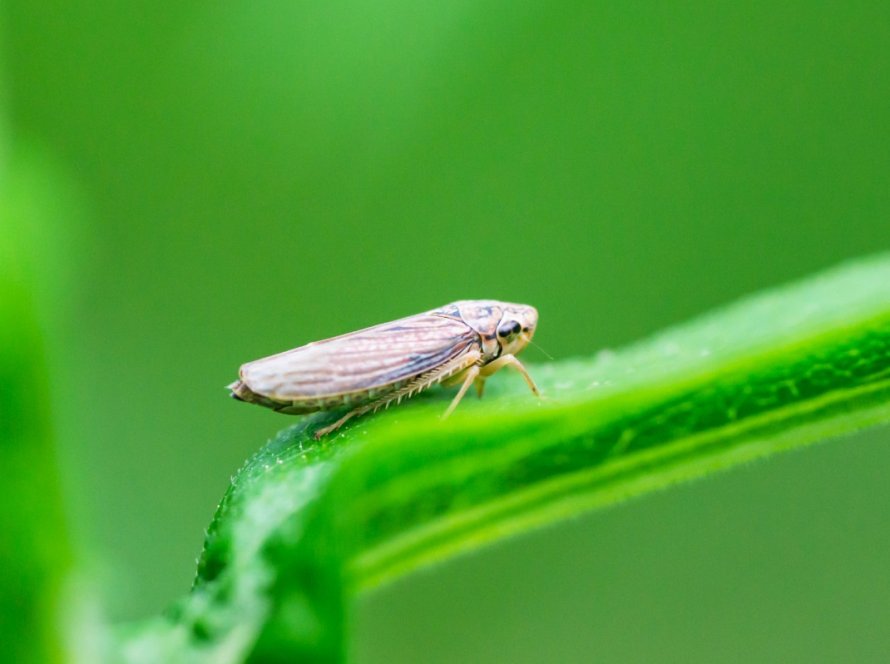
35,555
306,525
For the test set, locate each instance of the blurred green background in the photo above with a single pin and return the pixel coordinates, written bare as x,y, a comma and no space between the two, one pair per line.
231,179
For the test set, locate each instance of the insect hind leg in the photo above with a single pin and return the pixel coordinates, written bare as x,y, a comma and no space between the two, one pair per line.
455,366
339,423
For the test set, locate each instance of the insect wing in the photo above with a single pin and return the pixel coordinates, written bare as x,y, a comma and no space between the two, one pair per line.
369,359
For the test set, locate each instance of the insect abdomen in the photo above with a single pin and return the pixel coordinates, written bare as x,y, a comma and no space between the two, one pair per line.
242,392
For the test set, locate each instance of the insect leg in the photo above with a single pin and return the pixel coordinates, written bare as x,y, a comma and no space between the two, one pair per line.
339,423
422,382
510,360
471,375
480,386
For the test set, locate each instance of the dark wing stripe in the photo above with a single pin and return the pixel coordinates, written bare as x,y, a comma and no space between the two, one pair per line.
422,363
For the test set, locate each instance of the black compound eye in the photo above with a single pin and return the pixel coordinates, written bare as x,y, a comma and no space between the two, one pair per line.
508,328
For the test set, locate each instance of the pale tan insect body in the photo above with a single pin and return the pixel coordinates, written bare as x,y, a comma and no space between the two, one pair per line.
461,343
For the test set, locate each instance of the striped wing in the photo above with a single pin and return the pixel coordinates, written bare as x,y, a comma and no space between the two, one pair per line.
368,360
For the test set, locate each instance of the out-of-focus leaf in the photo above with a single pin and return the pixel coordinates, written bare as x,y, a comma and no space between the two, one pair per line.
34,547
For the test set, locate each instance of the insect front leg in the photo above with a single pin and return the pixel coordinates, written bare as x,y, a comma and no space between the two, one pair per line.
510,360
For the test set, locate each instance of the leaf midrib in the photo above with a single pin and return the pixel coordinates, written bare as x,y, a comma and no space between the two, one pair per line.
457,531
539,502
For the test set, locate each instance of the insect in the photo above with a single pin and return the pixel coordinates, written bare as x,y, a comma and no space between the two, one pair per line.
462,343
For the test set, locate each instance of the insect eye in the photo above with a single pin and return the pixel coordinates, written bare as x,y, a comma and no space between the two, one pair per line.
508,329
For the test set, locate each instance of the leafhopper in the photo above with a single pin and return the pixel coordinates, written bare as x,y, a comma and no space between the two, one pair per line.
462,343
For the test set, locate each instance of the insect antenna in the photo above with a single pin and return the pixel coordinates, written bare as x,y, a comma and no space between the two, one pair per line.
548,355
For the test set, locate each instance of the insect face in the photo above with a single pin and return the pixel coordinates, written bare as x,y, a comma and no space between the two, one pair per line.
516,328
